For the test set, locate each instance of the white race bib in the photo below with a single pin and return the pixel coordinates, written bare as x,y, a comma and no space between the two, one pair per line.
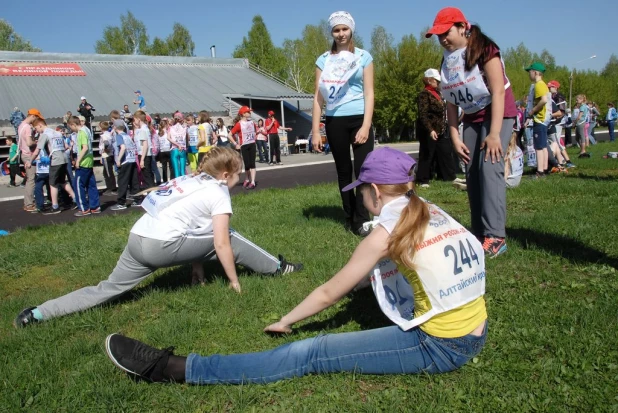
393,292
466,90
176,189
517,163
42,164
531,153
333,83
247,128
193,135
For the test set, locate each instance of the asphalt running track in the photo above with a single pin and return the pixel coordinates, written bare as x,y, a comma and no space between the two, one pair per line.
13,216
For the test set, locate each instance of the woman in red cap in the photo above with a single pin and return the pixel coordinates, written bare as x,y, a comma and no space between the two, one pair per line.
474,79
344,82
272,129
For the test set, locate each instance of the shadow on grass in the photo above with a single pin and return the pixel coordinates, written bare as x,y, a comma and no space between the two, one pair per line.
330,212
569,248
362,308
607,178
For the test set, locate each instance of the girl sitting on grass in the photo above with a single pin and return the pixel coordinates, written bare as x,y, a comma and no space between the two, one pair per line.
438,305
187,221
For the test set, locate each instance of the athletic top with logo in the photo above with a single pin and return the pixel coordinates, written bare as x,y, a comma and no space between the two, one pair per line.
193,133
246,130
448,281
469,90
130,152
193,201
341,82
53,142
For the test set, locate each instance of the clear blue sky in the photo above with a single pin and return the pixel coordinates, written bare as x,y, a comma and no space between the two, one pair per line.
75,26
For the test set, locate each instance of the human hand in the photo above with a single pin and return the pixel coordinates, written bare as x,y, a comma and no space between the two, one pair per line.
28,165
141,164
235,286
462,150
237,147
316,141
278,327
118,164
361,136
434,135
493,148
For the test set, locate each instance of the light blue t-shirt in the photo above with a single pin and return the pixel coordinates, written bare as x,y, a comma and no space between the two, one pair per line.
357,106
141,101
584,110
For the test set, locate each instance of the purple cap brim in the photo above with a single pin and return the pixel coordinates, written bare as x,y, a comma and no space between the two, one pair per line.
352,185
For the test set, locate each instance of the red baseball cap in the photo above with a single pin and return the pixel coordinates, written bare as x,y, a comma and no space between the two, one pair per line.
554,83
445,19
271,113
244,110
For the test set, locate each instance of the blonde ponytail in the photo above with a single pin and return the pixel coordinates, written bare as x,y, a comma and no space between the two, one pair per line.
220,159
409,231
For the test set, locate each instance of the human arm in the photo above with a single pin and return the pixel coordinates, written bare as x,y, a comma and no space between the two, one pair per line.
453,123
121,152
223,248
363,133
363,260
495,78
316,114
424,101
201,137
144,144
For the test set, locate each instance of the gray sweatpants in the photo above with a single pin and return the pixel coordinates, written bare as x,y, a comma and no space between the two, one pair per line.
486,182
142,256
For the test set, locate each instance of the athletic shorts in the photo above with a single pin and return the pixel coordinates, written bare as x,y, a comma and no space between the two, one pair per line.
248,155
539,136
57,175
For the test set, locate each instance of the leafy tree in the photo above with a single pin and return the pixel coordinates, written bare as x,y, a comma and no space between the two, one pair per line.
13,42
258,47
129,38
180,43
159,47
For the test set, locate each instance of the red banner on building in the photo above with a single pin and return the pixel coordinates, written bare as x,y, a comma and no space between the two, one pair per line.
40,69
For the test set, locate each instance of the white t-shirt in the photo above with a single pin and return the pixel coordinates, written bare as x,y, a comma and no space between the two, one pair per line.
143,134
188,217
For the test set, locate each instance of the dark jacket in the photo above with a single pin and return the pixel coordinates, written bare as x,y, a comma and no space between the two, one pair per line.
85,112
431,114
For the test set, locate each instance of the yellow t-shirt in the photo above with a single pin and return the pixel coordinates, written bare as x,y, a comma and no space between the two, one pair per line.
451,324
207,147
540,90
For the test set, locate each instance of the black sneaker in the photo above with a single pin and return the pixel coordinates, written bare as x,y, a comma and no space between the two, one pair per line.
137,358
287,267
24,318
52,211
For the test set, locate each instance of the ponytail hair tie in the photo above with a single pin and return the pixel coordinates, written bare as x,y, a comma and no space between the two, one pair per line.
410,193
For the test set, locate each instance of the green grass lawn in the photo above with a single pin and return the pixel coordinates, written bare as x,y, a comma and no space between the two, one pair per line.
552,303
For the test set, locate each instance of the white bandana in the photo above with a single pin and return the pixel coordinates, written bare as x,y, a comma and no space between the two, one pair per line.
341,17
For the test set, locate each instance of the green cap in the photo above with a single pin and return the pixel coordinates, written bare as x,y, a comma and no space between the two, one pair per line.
538,66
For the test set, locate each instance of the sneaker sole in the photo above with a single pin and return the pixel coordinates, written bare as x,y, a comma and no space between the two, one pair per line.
501,251
116,363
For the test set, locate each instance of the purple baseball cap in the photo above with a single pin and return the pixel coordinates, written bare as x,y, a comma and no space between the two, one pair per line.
384,166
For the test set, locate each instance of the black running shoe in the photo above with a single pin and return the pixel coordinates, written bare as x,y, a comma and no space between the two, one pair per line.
24,318
52,211
287,267
137,358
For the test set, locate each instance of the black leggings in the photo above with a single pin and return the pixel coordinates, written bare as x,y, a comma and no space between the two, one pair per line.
166,165
248,155
341,131
275,150
432,153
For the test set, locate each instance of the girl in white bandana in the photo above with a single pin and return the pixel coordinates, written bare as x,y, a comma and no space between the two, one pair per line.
344,83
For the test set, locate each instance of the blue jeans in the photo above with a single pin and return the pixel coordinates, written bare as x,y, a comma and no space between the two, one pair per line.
610,126
387,350
40,181
262,148
87,194
155,171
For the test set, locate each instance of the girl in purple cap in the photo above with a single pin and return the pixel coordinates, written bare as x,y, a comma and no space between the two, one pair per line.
474,79
428,275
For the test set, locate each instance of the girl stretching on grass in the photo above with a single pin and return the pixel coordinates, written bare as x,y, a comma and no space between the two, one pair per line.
437,302
187,221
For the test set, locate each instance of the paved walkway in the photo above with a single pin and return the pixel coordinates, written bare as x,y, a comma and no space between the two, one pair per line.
298,169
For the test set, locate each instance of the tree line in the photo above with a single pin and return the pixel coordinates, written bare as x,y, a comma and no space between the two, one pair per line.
399,66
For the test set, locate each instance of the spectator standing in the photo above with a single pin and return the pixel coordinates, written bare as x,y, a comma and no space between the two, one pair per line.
474,79
164,149
85,109
222,133
246,129
13,160
262,142
344,82
612,116
27,145
141,136
86,192
539,104
125,156
594,114
435,146
17,117
106,149
272,129
66,117
177,135
580,120
139,101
